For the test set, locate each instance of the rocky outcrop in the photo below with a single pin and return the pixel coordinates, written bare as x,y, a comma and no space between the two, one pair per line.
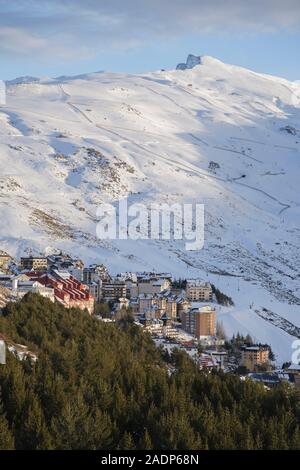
191,62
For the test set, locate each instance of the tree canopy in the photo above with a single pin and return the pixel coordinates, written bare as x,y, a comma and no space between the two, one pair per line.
106,386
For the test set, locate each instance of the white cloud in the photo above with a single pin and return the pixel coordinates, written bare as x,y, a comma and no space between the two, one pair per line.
17,40
67,29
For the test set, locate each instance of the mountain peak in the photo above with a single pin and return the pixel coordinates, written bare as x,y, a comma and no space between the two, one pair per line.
194,60
191,62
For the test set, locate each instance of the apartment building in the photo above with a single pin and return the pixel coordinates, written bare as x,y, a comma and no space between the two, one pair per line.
158,327
67,290
5,258
198,291
93,277
130,279
34,263
21,286
200,322
160,285
171,309
163,303
146,302
62,261
255,355
113,290
95,273
153,283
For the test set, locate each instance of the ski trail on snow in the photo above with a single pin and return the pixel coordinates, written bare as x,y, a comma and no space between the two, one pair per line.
184,166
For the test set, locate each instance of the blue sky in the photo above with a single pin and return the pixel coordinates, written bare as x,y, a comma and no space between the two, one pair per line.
54,37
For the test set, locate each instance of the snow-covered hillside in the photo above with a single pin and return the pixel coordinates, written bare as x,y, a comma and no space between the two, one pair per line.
211,133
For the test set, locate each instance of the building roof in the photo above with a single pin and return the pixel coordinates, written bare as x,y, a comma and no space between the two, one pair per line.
255,347
294,367
201,304
62,274
265,377
160,282
216,353
197,283
5,277
204,309
152,275
128,276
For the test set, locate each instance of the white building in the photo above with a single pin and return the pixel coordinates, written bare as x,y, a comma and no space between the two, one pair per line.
2,352
21,287
145,302
153,285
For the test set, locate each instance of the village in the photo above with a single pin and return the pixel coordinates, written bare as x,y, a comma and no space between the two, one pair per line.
177,313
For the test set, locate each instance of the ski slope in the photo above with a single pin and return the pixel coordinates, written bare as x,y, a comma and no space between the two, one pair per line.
69,144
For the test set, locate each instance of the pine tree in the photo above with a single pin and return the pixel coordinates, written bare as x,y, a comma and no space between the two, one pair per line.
126,442
33,434
70,427
106,386
6,436
248,339
146,441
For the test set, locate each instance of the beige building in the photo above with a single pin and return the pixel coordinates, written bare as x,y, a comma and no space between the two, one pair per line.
159,327
4,259
171,308
200,322
253,356
162,304
34,263
198,291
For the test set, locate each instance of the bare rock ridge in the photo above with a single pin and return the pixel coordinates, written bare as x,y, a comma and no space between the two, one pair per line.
190,63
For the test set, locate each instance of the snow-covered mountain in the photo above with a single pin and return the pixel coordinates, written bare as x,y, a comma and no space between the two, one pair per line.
208,132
